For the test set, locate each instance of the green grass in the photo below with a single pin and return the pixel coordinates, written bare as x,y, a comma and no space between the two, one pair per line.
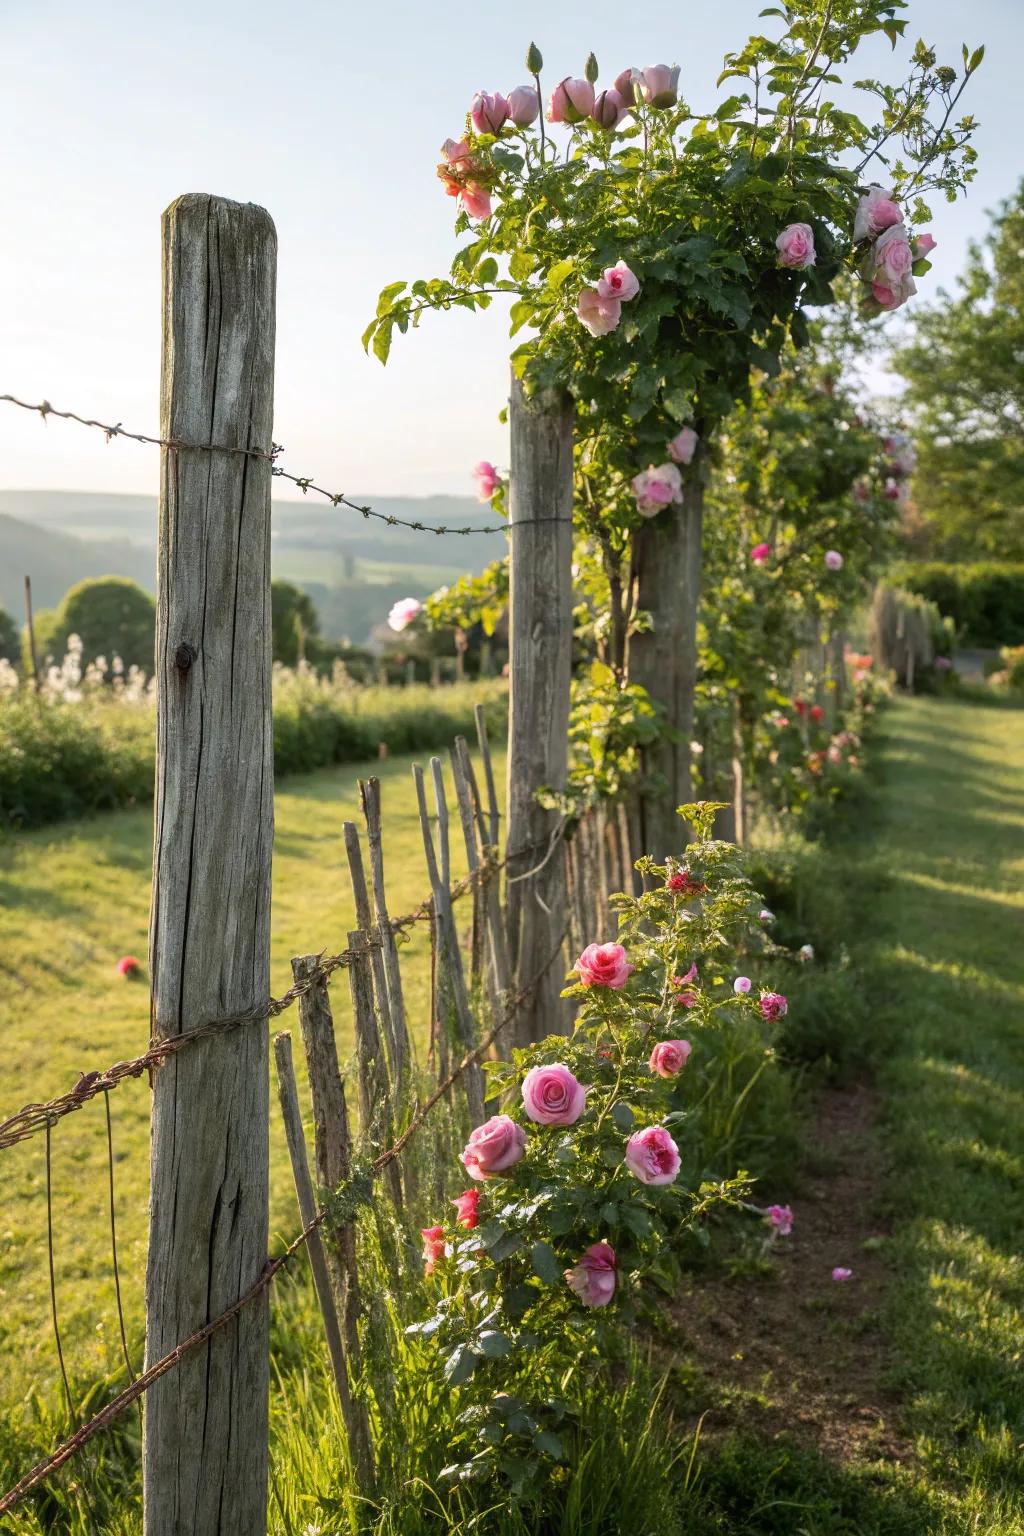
75,898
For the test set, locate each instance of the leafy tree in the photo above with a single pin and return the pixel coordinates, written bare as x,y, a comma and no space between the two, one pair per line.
294,622
113,617
10,643
965,396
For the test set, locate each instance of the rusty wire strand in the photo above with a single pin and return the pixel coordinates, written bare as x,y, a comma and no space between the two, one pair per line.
68,1448
113,1247
305,483
53,1278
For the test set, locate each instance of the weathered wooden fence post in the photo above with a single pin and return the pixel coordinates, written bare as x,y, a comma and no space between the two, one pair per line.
663,659
540,655
205,1459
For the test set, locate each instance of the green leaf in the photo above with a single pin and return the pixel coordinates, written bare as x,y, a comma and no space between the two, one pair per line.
559,272
545,1263
487,271
610,1213
495,1344
550,1444
521,313
387,297
623,1116
505,1247
382,340
460,1365
521,265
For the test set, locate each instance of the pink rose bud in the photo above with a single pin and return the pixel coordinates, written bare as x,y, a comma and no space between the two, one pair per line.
669,1057
594,1277
571,101
795,246
659,85
489,112
626,84
523,105
876,211
467,1207
741,986
761,553
487,480
598,314
618,282
764,916
127,965
683,446
433,1247
652,1156
553,1096
493,1147
403,612
773,1006
924,245
609,109
839,1273
833,560
604,965
655,488
781,1218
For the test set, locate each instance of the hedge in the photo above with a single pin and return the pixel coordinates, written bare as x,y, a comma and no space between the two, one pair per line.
60,759
985,601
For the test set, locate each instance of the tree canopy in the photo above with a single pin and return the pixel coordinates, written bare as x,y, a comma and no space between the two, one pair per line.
964,372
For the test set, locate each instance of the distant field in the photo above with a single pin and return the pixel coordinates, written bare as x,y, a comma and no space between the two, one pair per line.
74,899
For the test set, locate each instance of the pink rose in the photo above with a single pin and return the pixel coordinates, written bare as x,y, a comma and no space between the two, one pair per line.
839,1273
553,1096
833,560
127,965
687,998
876,211
683,446
598,314
403,612
861,491
489,112
433,1247
924,245
659,85
467,1207
761,554
571,101
817,713
618,282
781,1218
764,916
609,109
773,1006
487,480
681,883
741,986
523,105
493,1147
652,1156
655,488
669,1057
795,246
604,965
594,1277
892,257
626,83
476,200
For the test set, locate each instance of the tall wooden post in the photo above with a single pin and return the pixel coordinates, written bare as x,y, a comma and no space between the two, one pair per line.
663,658
30,634
540,656
205,1456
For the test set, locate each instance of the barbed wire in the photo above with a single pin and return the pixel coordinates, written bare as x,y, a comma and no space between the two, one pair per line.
305,483
32,1118
137,1388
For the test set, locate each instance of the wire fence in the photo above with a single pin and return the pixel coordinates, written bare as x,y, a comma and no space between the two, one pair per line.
305,483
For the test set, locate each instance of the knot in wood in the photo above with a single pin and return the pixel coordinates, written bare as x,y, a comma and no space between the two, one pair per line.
184,656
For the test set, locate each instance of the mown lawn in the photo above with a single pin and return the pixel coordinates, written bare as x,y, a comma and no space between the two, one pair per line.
74,898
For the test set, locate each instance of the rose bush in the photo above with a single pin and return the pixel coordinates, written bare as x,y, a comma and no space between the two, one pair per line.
592,1178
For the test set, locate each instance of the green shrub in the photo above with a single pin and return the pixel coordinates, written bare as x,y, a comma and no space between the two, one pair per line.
985,601
1013,661
10,641
94,748
111,615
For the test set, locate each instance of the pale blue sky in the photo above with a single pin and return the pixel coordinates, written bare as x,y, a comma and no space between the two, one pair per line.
330,115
